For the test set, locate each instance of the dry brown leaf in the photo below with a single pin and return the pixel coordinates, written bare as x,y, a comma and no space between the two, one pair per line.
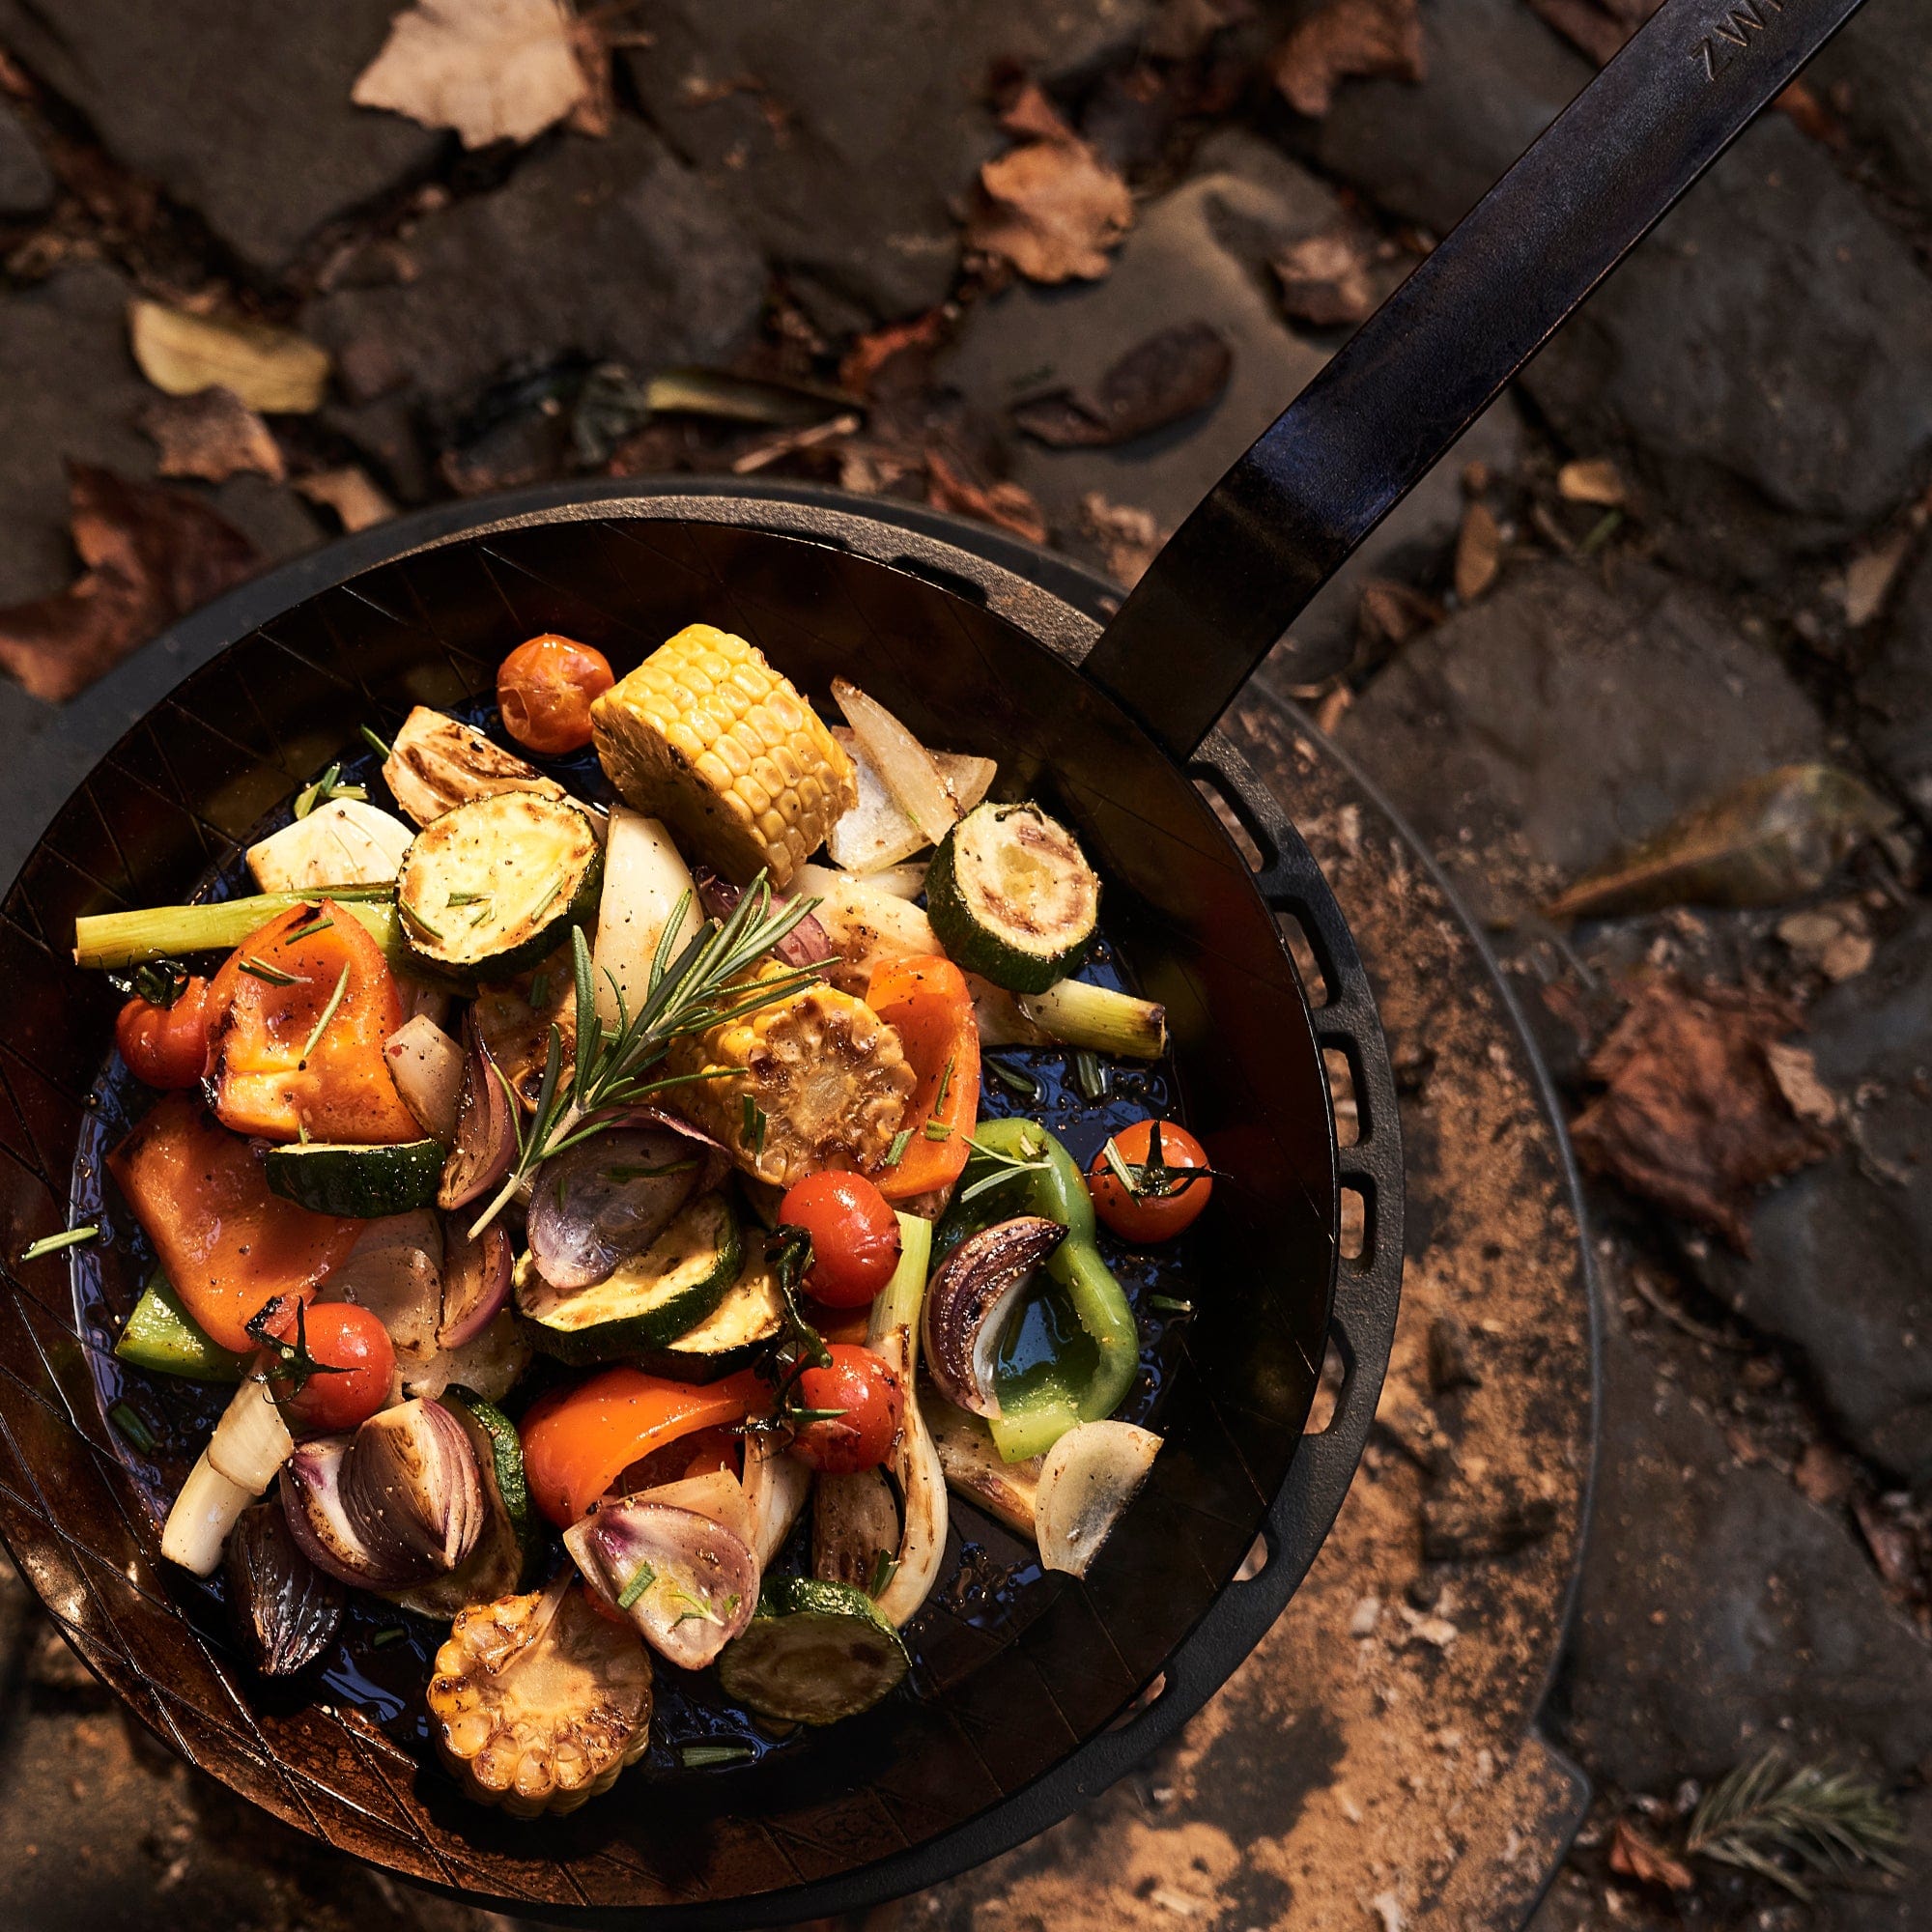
274,370
1324,278
1053,208
1594,479
1868,579
1693,1117
1634,1856
1774,837
869,355
1796,1071
1348,38
1006,504
150,555
1479,552
1175,373
1128,537
493,69
1031,116
1833,939
350,493
214,435
1391,613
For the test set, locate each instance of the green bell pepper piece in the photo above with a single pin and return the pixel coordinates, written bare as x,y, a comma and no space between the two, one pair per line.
1040,1178
162,1336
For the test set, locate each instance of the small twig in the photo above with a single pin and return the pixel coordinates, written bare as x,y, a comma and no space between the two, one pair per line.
1676,1316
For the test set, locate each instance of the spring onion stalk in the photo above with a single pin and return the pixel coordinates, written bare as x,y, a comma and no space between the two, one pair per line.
1098,1019
207,1509
116,939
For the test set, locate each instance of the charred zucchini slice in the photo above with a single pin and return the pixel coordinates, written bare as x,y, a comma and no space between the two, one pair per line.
750,1315
358,1182
1012,896
650,1301
815,1653
489,888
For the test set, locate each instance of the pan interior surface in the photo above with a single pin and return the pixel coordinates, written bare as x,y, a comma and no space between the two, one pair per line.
1015,1670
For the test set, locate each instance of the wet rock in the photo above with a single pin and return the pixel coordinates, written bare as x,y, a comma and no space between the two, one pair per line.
601,248
239,108
1842,1263
1201,252
1895,692
26,182
842,134
1533,734
1886,102
1724,1613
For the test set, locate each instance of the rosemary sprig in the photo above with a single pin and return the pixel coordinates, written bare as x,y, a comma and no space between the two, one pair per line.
1826,1821
799,1346
53,1244
689,992
260,969
376,744
1004,1166
884,1566
328,1013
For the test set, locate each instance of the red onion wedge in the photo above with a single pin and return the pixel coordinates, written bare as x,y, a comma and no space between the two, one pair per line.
486,1131
968,1300
607,1198
285,1611
475,1281
807,944
312,1501
687,1582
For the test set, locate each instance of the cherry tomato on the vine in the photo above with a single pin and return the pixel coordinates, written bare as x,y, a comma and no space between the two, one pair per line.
353,1368
1162,1199
545,688
861,1385
855,1236
166,1046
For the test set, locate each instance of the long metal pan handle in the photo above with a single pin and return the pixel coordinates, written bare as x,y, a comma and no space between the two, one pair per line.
1418,372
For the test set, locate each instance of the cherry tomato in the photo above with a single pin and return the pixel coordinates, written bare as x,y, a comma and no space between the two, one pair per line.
859,1383
1162,1203
855,1236
544,689
166,1046
356,1373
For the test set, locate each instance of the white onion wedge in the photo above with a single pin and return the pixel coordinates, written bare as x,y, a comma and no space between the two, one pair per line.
893,1333
968,778
427,1067
775,1488
904,764
1088,1479
395,1271
251,1441
345,842
645,877
877,831
198,1525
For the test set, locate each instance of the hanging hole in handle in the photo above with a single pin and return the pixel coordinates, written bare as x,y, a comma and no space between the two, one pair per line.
1352,1238
1314,975
1150,1695
1251,839
1327,1390
1342,1096
1255,1561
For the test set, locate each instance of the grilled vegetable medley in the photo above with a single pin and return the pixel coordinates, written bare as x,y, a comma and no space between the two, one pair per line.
580,1198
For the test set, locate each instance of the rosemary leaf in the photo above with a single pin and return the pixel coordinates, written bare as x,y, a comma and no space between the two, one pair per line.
642,1579
328,1013
53,1244
260,969
1826,1821
696,1758
897,1152
375,744
1014,1079
129,1424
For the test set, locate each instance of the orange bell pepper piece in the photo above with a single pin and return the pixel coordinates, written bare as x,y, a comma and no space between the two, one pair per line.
227,1244
579,1441
925,999
288,1056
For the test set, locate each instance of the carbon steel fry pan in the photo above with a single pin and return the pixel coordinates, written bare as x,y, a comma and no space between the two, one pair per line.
1032,1694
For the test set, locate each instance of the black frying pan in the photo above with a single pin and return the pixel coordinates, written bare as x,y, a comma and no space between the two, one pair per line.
1031,1703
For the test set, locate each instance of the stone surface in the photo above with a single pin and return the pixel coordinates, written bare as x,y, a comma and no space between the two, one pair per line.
1734,1616
239,108
1534,733
1843,1251
1201,252
1895,691
1877,79
843,133
26,182
607,248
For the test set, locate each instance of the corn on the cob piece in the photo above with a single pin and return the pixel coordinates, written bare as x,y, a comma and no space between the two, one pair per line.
815,1080
705,735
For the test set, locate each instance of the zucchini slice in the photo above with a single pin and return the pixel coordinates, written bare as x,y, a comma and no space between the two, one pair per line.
652,1299
815,1653
490,887
365,1183
750,1315
164,1337
1012,898
495,1566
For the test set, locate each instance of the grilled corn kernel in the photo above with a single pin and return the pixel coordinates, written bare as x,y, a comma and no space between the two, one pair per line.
817,1080
705,735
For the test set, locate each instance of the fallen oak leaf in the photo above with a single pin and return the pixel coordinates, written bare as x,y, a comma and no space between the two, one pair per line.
277,371
493,69
1128,538
1324,278
1693,1115
213,435
1634,1856
1774,837
150,555
1346,38
1005,504
1175,373
350,493
867,356
1052,207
